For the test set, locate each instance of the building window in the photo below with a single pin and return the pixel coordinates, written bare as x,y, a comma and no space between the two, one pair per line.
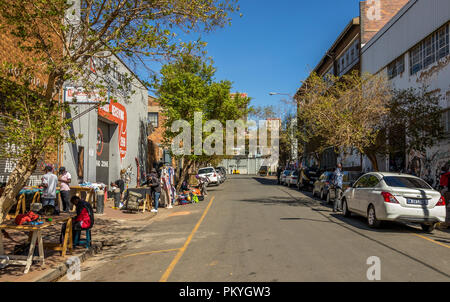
153,119
442,42
415,59
396,67
431,49
429,52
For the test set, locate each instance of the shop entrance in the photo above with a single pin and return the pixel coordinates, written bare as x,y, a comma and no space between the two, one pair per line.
103,141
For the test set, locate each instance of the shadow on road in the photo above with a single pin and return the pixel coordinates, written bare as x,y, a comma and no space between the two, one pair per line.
278,200
266,181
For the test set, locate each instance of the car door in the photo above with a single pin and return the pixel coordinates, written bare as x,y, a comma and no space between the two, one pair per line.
367,194
357,193
372,194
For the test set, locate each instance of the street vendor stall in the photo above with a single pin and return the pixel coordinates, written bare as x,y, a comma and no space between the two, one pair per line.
35,237
26,193
89,190
145,193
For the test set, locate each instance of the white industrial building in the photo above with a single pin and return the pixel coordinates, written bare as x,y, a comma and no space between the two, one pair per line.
413,50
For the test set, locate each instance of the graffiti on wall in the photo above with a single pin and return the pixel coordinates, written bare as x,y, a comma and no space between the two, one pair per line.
428,166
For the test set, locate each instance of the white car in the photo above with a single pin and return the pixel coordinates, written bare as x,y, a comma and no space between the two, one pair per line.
211,173
381,196
292,178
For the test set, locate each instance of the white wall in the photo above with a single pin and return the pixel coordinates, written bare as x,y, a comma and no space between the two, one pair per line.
417,20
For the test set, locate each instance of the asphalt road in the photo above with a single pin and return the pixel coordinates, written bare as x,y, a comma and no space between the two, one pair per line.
255,230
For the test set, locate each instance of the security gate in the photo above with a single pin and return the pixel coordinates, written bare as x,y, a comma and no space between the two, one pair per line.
103,140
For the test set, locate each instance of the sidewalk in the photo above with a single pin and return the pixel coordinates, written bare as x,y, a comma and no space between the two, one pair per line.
111,229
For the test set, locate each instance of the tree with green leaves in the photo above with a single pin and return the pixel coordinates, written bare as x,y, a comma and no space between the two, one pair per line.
57,40
343,112
366,114
187,87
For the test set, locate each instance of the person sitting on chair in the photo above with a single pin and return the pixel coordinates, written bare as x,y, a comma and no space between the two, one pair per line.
84,219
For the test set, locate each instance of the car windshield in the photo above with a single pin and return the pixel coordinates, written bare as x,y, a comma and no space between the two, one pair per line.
206,170
295,173
406,182
287,172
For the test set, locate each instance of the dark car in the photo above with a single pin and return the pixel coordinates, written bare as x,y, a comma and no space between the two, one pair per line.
349,178
307,178
322,185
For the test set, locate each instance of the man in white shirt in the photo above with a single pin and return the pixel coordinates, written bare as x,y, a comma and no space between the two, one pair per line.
49,183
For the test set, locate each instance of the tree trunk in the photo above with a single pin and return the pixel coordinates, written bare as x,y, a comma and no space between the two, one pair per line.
17,180
187,165
373,160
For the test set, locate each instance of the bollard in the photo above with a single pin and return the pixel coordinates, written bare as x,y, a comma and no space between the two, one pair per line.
100,201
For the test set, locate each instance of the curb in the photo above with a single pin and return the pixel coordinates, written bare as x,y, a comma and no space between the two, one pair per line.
58,272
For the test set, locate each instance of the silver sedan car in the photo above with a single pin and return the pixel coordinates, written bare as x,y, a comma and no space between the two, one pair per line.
382,196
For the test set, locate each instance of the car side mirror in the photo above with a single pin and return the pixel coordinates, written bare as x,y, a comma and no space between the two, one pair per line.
351,184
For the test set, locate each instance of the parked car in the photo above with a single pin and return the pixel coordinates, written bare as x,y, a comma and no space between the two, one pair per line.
292,178
322,185
306,179
381,196
211,173
263,171
223,170
283,176
350,177
219,176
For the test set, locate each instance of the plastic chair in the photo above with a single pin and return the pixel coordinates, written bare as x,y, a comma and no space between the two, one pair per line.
77,238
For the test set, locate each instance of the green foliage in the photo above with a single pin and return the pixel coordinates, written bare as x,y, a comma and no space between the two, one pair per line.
188,86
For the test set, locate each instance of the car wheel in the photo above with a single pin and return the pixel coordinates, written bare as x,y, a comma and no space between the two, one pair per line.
345,210
372,220
428,227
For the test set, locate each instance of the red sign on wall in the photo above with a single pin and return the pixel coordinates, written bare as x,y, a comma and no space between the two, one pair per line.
117,113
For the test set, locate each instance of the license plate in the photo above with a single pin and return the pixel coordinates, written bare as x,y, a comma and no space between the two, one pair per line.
417,201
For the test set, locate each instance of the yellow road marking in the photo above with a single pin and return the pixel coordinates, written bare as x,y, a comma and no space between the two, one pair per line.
146,253
183,249
434,241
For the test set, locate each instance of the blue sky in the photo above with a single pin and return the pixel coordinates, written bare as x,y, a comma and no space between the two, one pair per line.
276,43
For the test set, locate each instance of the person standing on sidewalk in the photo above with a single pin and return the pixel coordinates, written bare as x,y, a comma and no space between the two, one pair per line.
49,183
65,179
155,184
337,183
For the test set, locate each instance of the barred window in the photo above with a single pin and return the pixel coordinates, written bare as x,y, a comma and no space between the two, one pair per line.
415,59
442,42
429,52
396,67
431,49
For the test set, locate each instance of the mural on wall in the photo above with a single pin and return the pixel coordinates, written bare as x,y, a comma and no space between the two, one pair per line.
428,166
117,113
